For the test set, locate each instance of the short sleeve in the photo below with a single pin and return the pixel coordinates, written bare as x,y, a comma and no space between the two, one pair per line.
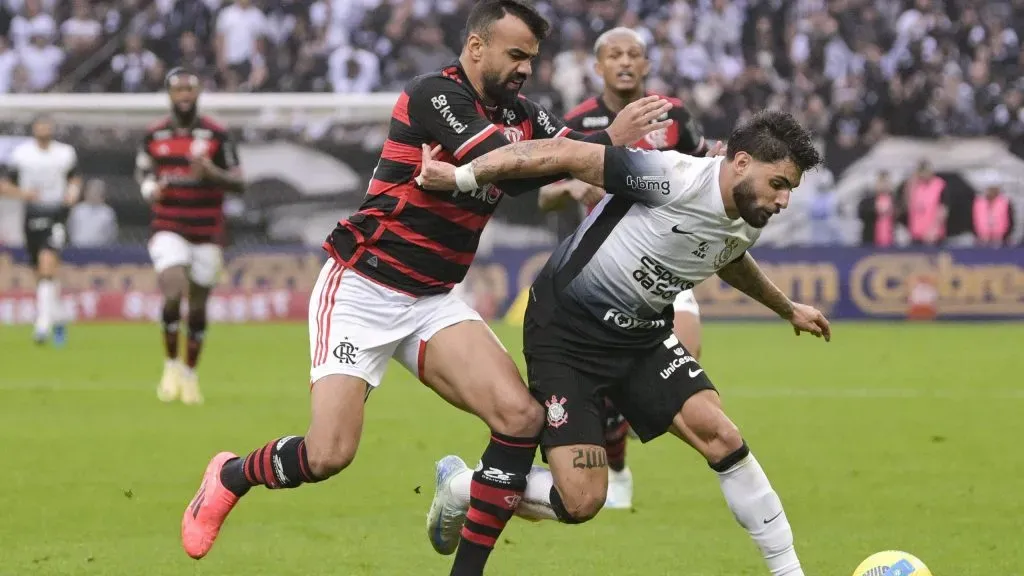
226,157
447,111
643,176
691,133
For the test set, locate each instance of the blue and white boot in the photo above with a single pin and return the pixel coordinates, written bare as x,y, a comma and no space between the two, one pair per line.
446,516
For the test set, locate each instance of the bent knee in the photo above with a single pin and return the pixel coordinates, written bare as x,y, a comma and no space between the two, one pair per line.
521,417
722,441
583,506
326,461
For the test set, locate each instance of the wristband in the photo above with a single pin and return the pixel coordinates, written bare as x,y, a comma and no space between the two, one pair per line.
465,178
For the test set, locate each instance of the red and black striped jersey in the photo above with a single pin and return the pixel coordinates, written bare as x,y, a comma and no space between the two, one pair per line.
683,135
422,242
187,206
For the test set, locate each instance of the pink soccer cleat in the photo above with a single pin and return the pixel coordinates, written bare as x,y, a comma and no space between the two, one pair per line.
207,511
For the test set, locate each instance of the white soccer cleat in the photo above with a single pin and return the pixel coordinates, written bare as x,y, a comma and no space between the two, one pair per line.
445,519
620,489
190,393
170,387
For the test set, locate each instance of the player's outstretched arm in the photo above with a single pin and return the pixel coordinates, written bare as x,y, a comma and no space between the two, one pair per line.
528,159
746,276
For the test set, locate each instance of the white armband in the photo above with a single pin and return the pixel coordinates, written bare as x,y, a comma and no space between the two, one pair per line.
149,188
465,178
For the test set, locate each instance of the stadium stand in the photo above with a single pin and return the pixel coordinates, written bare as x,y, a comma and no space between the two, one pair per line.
861,72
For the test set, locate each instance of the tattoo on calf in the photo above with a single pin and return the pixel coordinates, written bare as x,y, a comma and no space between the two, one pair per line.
586,458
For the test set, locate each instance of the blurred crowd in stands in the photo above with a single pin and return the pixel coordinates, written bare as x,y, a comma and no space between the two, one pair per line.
855,71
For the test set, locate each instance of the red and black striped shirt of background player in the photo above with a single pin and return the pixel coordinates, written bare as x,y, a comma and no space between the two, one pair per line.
188,206
684,134
422,242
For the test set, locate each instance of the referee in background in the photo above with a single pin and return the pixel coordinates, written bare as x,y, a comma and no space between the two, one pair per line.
42,173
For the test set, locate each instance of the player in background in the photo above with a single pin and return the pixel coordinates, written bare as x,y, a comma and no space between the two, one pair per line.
42,173
598,323
385,292
185,165
621,61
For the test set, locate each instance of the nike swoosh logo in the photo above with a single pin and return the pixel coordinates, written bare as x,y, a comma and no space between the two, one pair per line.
769,520
678,231
695,372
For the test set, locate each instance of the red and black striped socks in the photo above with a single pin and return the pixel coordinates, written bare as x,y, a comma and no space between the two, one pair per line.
497,488
281,463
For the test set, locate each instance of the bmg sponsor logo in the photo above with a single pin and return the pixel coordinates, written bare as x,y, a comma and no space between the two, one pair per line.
648,184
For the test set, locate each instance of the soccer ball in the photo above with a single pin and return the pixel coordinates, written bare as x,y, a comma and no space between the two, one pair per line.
892,563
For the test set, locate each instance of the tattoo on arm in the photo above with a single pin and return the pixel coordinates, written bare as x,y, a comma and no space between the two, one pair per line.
586,458
746,276
533,158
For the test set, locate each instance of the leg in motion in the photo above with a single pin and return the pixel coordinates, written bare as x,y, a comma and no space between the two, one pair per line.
467,366
197,297
49,318
702,423
620,477
173,283
329,447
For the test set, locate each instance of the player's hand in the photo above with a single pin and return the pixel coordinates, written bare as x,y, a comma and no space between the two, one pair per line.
434,174
718,149
202,167
809,319
586,194
638,119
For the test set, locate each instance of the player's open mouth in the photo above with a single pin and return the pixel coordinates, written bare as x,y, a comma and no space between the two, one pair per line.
625,76
514,84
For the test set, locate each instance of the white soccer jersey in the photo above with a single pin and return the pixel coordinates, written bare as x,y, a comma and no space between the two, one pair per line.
44,171
662,229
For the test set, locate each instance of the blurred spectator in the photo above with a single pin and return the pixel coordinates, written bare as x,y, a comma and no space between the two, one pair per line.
879,214
822,215
8,63
136,69
993,216
92,223
241,27
41,61
426,51
31,23
353,70
927,206
81,33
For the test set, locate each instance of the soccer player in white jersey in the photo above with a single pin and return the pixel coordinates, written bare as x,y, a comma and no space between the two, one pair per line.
41,172
599,323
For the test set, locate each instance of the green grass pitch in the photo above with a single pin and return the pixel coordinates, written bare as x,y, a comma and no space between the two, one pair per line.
892,436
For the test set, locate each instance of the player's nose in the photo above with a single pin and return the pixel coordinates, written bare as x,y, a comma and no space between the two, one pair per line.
782,202
525,68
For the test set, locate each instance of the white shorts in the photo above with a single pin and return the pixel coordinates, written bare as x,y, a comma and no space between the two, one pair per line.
204,261
357,325
686,302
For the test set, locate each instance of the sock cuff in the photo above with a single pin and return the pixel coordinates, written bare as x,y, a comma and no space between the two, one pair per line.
731,460
514,441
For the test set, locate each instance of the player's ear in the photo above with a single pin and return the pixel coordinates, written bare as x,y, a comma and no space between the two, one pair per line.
598,67
475,46
645,68
741,163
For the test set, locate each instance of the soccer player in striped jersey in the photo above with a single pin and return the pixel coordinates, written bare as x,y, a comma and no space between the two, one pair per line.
43,173
385,291
185,165
621,60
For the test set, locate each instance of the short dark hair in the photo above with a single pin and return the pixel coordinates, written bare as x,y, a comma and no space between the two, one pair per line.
771,136
487,12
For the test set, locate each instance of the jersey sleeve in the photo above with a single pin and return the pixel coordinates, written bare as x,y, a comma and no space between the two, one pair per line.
547,125
643,176
226,157
691,133
448,113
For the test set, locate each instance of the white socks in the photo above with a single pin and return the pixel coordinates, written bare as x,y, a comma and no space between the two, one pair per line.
47,305
536,504
745,486
757,508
